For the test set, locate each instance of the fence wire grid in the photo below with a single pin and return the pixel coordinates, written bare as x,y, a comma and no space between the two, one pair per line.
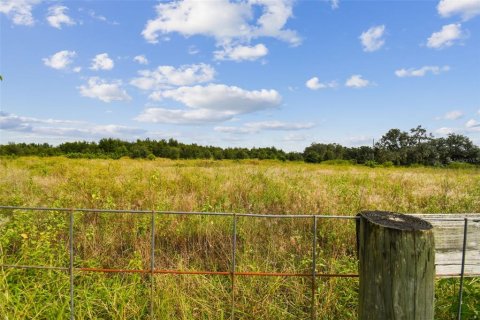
232,273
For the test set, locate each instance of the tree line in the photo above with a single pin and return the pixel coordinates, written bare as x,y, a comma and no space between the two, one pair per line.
396,147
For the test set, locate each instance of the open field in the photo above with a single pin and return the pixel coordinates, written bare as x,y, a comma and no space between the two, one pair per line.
203,243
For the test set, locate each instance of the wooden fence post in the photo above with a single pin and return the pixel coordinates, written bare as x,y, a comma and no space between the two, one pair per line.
396,267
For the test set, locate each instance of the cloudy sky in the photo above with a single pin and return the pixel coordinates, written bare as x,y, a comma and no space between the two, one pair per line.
238,73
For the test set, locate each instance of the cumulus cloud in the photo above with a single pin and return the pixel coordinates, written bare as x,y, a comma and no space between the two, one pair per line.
141,59
357,81
223,97
446,37
97,88
315,84
373,39
234,20
467,9
254,127
19,11
445,130
57,16
420,72
60,60
102,62
451,115
472,123
165,76
180,116
210,103
239,53
65,128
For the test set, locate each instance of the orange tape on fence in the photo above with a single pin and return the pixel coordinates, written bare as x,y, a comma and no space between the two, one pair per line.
224,273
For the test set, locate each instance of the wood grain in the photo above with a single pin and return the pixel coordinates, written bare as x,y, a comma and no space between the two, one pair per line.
449,243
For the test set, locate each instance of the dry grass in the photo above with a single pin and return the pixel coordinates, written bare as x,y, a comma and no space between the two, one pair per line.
202,243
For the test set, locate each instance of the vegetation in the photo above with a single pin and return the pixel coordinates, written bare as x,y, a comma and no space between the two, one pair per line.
396,147
204,243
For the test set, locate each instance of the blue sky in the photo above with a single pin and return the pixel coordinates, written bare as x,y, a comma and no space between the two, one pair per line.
238,73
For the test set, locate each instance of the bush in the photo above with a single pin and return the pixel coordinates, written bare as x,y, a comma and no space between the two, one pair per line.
387,164
460,165
371,163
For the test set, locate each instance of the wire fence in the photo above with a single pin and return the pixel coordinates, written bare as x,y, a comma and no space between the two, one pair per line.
233,272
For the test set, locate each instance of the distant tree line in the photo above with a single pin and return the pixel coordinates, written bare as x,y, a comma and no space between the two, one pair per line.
396,147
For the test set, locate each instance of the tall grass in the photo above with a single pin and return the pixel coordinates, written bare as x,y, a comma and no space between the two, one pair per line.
204,243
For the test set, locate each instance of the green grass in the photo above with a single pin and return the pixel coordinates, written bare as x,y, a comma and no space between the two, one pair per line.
204,243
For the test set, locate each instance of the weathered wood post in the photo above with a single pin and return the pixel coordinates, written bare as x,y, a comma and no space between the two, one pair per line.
396,266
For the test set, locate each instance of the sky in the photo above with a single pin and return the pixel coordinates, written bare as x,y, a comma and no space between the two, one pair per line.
245,73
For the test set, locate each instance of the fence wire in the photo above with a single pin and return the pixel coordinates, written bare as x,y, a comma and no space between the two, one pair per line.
232,273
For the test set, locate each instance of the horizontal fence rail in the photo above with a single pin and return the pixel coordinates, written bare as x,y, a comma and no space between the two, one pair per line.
437,220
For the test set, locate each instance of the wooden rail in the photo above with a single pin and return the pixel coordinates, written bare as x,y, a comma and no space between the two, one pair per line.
448,230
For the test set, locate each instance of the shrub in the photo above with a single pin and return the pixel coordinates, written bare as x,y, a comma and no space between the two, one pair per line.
460,165
387,164
371,163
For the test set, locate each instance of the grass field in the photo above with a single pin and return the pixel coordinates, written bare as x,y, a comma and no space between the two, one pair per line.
203,243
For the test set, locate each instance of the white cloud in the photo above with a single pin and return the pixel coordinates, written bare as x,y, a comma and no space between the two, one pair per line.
315,84
465,8
358,140
77,69
141,59
234,20
279,125
20,11
102,62
234,130
65,128
294,137
472,123
356,81
210,103
224,98
8,121
334,4
57,16
60,60
97,88
101,18
446,37
179,116
451,115
411,72
239,53
445,130
373,39
164,76
254,127
472,126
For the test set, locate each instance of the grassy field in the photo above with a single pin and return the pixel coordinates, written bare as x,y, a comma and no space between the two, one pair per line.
204,243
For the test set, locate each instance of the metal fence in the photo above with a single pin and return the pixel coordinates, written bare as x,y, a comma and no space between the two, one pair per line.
232,273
